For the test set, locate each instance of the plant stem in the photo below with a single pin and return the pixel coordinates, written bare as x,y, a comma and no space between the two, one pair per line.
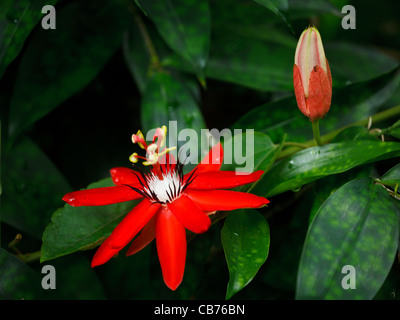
154,59
383,115
295,144
29,257
315,129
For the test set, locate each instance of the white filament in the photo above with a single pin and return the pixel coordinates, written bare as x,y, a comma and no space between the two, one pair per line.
163,187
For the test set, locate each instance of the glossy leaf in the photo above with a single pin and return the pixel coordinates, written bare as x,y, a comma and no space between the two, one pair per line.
278,7
233,58
17,280
374,62
357,226
305,8
17,19
248,152
392,177
167,101
317,162
32,187
185,26
81,228
46,78
245,239
136,54
75,279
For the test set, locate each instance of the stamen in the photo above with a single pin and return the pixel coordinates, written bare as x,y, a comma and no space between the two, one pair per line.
164,190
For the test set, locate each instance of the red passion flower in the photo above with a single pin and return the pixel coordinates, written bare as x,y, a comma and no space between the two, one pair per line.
172,202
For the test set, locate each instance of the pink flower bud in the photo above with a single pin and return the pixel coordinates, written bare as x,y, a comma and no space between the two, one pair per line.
311,76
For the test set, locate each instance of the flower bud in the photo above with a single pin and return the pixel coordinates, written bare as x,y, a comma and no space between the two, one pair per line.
311,76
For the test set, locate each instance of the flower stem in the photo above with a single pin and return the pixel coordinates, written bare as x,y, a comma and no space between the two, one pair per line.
315,129
381,116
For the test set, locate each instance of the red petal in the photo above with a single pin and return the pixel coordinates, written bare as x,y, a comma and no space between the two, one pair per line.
225,200
319,94
189,214
299,91
171,247
101,196
212,161
146,236
223,179
167,162
128,228
122,175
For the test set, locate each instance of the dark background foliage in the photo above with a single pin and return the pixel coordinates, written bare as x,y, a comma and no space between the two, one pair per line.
70,99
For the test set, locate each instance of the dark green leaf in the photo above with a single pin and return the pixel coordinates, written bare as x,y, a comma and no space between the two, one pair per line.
167,101
76,279
392,177
245,239
248,151
185,26
317,162
233,58
357,226
17,19
374,62
278,7
81,228
58,63
136,280
136,53
324,187
17,280
32,188
307,8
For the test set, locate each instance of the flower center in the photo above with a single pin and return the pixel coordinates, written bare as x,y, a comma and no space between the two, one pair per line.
165,190
163,183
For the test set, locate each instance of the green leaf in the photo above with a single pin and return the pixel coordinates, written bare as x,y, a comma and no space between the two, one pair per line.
17,280
317,162
307,8
392,177
76,279
82,228
136,282
59,63
245,239
278,7
136,54
233,58
32,188
185,27
374,62
324,187
356,226
17,19
167,101
248,151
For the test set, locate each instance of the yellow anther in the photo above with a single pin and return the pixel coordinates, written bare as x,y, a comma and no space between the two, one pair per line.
139,139
134,158
153,150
